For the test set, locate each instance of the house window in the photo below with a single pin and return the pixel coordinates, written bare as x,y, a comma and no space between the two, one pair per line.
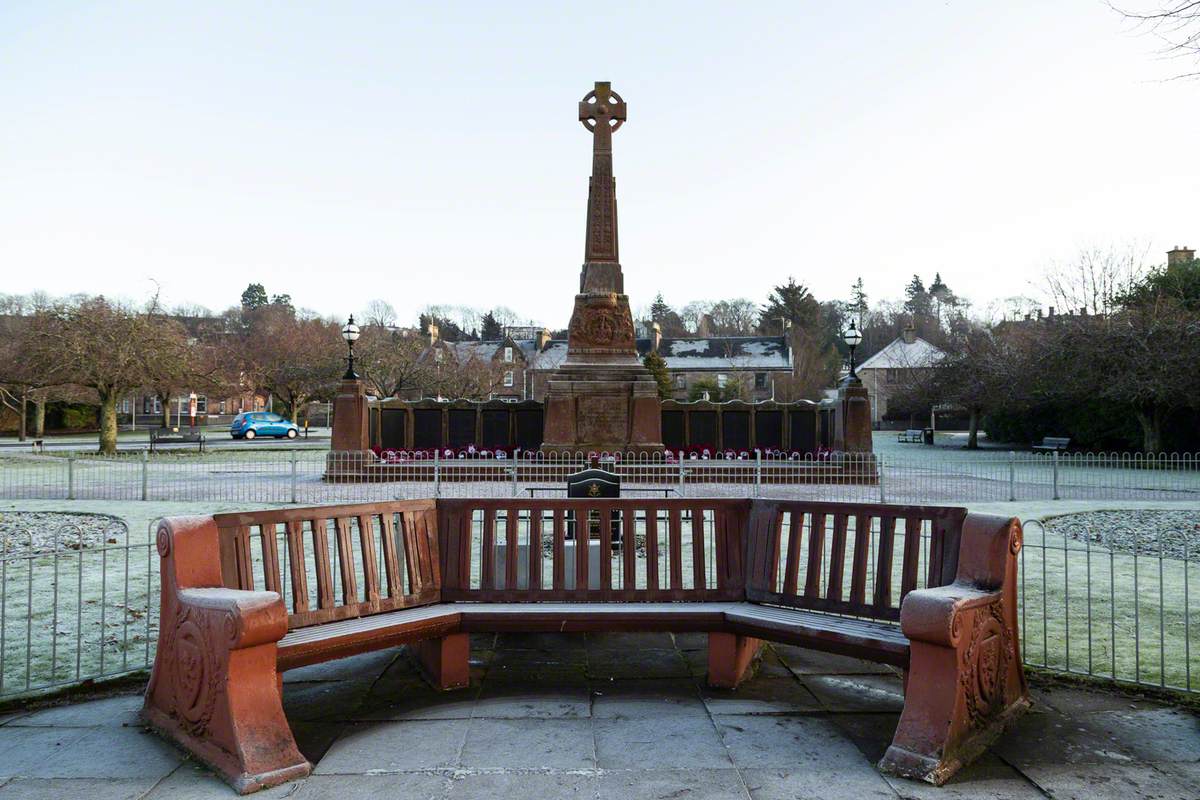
760,380
202,404
893,375
508,357
680,381
722,379
222,406
508,378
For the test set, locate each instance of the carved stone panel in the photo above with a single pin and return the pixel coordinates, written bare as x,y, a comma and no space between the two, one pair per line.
601,324
603,419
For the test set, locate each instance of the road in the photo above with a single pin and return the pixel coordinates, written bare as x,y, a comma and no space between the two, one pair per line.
215,439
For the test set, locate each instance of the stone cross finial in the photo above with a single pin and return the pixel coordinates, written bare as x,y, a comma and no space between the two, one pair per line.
602,111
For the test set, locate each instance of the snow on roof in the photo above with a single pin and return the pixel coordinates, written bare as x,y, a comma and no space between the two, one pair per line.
900,354
715,353
723,352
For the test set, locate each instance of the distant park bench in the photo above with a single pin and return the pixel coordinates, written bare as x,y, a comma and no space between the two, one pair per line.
911,436
169,436
1053,443
245,596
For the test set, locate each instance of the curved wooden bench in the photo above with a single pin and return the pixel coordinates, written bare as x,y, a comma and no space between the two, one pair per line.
246,596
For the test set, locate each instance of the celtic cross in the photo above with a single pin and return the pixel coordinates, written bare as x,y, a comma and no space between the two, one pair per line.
602,111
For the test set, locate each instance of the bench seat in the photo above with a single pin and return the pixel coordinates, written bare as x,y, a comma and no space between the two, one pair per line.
874,641
348,637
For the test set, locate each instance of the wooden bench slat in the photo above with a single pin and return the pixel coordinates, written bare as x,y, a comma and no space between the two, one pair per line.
816,552
699,567
860,560
324,570
345,558
560,551
883,576
267,535
391,565
297,566
837,557
791,573
651,549
487,579
629,552
366,544
675,535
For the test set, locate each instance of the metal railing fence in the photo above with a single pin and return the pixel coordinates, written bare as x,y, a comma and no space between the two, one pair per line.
1115,603
307,476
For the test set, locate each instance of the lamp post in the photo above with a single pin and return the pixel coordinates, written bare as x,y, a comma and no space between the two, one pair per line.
852,337
350,334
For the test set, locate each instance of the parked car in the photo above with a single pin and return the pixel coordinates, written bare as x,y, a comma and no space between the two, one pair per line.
262,423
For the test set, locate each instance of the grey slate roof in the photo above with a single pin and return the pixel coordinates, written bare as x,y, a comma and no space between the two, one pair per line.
723,353
731,353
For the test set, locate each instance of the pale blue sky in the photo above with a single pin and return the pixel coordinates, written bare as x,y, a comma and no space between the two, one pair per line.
426,153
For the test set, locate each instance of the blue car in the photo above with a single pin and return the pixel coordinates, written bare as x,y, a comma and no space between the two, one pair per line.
262,423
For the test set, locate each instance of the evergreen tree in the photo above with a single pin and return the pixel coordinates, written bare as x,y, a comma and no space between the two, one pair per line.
254,297
916,299
658,368
490,328
858,301
659,309
791,302
284,300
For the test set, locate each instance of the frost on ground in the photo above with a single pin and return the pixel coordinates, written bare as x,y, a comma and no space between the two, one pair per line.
1173,534
35,532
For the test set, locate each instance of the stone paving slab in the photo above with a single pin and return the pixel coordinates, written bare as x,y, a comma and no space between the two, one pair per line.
621,717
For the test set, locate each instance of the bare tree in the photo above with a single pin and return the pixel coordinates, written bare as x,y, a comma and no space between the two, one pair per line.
1176,25
391,363
379,313
296,359
1095,279
105,348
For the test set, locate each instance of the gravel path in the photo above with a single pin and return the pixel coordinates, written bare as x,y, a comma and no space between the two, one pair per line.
25,532
1176,532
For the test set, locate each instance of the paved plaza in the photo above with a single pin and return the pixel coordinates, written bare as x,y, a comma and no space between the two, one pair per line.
612,716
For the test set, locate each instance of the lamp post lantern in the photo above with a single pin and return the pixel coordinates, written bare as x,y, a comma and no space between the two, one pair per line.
852,337
350,334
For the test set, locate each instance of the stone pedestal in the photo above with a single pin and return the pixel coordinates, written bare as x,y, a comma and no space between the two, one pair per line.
350,445
853,427
599,408
852,444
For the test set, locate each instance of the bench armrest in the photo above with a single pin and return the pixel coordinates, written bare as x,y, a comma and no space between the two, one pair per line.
928,615
250,618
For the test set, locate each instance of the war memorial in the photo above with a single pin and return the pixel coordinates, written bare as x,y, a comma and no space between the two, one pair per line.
601,399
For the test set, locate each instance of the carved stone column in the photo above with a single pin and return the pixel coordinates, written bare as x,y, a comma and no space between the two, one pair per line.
602,398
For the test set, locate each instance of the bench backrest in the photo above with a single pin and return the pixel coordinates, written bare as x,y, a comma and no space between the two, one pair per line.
848,558
638,549
335,562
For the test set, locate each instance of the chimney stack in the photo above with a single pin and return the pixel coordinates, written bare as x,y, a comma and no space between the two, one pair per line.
655,336
909,334
1180,255
433,333
543,339
1051,311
